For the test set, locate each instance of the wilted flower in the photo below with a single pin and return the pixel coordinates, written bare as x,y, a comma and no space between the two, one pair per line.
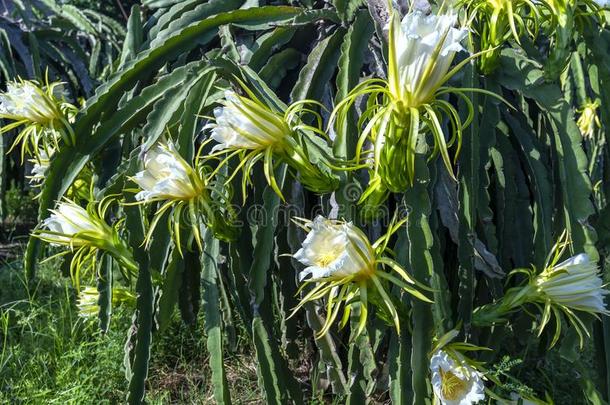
40,110
88,300
588,120
41,165
85,233
345,267
561,20
454,381
559,8
496,21
167,176
89,297
247,127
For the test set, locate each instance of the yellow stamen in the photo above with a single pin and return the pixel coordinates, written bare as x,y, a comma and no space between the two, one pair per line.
326,258
452,386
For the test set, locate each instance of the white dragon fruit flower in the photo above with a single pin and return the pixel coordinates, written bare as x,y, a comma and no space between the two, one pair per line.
25,101
346,268
335,250
242,123
574,283
166,176
72,225
455,383
423,48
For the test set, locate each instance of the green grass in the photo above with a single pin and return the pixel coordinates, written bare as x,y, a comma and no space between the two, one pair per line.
51,355
180,372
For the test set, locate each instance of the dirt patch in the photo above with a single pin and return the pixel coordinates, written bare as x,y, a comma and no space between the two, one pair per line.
10,251
13,236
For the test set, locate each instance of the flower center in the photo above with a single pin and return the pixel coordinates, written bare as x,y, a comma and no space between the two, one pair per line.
452,387
326,258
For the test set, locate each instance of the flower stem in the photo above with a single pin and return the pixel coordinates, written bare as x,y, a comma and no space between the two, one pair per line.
125,259
491,314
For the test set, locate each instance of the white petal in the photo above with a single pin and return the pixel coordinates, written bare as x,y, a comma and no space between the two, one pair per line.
334,249
165,176
315,272
574,283
415,43
244,124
